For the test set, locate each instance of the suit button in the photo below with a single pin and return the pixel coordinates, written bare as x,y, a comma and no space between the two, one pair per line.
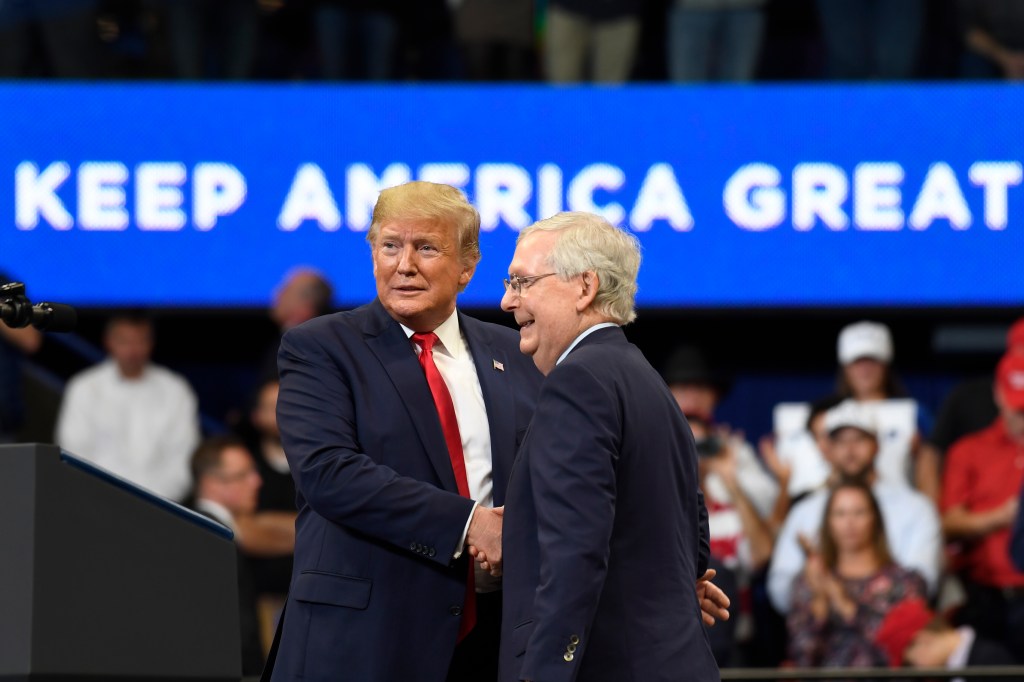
571,648
455,610
431,552
568,656
412,546
574,640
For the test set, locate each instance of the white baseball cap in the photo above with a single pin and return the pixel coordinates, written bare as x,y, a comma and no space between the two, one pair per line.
852,414
864,340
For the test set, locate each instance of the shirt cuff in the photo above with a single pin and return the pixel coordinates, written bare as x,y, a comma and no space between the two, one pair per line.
465,531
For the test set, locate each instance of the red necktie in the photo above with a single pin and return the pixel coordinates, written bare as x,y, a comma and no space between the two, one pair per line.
452,437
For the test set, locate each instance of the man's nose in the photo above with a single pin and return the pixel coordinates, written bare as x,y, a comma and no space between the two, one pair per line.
509,301
407,260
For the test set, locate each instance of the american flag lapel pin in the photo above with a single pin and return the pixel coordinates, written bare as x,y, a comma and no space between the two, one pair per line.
498,366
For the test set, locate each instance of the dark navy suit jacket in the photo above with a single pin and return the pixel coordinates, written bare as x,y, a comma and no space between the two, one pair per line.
375,594
602,533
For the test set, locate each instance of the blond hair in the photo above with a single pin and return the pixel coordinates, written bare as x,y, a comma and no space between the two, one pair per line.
587,242
434,202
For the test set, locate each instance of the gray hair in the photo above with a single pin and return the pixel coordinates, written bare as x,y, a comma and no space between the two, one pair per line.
589,242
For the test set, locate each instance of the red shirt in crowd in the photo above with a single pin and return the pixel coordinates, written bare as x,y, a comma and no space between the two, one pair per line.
984,470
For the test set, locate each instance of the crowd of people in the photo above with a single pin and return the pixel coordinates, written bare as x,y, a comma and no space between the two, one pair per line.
862,532
558,41
866,521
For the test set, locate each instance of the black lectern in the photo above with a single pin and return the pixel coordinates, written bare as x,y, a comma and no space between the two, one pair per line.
103,580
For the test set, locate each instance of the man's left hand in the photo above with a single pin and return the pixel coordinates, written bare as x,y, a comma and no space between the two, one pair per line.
714,603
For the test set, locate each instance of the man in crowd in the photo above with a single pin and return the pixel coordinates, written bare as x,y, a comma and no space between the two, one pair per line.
971,406
276,501
225,484
128,415
911,521
980,500
303,294
603,520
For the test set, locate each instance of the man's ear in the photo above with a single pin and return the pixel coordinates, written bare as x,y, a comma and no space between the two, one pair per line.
590,283
466,275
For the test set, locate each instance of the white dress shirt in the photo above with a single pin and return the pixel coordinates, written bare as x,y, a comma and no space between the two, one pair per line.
586,332
455,363
219,512
143,430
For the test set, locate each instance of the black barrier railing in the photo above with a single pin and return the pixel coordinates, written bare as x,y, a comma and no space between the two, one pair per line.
994,671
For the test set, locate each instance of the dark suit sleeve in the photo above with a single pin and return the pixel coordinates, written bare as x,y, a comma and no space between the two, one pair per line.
574,445
339,481
704,550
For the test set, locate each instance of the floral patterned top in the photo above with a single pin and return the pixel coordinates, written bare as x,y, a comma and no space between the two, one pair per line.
839,643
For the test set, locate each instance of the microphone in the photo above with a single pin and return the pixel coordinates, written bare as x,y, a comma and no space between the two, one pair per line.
16,311
54,317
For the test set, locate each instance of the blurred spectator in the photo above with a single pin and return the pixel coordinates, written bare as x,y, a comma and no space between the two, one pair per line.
357,39
872,39
134,418
994,38
848,584
62,32
592,40
303,294
715,40
865,354
698,388
971,405
14,345
741,539
980,500
225,485
212,39
796,451
277,494
912,635
497,39
911,522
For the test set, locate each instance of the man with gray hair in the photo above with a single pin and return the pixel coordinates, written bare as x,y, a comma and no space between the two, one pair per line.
602,534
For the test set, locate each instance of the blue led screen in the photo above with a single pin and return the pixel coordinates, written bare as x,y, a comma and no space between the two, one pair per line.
777,196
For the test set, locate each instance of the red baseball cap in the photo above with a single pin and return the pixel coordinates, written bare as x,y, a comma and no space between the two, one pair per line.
1010,379
900,626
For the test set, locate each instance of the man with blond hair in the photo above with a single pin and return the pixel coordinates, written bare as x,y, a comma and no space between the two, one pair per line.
400,421
602,536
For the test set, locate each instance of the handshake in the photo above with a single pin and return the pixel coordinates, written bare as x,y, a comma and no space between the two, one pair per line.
483,541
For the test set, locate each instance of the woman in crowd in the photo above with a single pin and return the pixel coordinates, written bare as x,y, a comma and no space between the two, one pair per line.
848,585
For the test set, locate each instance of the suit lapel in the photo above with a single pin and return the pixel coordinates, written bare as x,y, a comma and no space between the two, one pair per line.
388,342
498,399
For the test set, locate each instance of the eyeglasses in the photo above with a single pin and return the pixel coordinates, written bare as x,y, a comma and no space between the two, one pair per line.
516,284
237,477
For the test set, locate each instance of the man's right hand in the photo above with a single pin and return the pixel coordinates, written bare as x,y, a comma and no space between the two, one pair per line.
484,538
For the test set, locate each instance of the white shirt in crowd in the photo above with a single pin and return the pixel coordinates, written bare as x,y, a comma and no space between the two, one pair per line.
912,529
143,430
